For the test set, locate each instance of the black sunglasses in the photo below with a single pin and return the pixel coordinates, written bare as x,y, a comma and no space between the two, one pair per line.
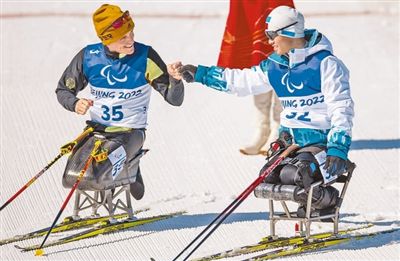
273,34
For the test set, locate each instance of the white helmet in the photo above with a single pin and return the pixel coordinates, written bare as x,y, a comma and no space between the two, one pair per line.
286,21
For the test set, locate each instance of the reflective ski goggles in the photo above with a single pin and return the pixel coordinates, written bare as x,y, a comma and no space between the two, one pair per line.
119,22
272,34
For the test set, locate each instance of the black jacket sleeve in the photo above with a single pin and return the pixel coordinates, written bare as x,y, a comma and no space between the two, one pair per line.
71,82
157,74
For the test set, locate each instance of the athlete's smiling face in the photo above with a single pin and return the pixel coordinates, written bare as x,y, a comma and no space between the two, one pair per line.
123,45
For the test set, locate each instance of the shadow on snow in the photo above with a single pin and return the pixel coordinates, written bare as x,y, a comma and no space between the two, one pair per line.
199,220
375,144
369,242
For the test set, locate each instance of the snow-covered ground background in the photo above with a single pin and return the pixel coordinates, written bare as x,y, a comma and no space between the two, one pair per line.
194,163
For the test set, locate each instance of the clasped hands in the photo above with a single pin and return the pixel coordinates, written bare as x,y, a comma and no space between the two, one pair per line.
178,71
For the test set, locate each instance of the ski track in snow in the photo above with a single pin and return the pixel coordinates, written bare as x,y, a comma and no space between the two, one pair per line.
193,164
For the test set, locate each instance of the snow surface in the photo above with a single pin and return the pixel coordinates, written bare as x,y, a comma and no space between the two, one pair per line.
193,164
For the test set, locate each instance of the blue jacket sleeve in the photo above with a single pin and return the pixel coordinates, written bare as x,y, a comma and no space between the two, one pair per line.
241,82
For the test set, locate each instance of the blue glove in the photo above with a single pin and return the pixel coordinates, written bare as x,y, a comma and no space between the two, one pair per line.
335,166
188,72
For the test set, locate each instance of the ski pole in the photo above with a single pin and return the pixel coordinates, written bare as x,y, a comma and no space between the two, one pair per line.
67,148
236,202
39,251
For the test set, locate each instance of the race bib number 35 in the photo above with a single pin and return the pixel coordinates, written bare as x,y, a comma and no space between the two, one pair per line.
114,113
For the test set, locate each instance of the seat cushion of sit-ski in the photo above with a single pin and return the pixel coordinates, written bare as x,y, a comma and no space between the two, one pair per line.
278,192
323,197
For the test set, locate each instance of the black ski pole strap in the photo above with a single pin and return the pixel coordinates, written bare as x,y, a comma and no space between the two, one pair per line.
313,149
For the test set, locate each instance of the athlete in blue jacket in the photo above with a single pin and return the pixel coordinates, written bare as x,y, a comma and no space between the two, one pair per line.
120,74
312,85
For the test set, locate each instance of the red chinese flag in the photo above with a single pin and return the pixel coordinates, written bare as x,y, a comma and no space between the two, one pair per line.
244,43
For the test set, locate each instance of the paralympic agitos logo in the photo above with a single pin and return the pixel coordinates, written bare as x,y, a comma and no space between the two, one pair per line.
111,79
291,87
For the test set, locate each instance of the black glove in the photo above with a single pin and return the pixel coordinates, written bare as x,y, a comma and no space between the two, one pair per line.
335,166
188,72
